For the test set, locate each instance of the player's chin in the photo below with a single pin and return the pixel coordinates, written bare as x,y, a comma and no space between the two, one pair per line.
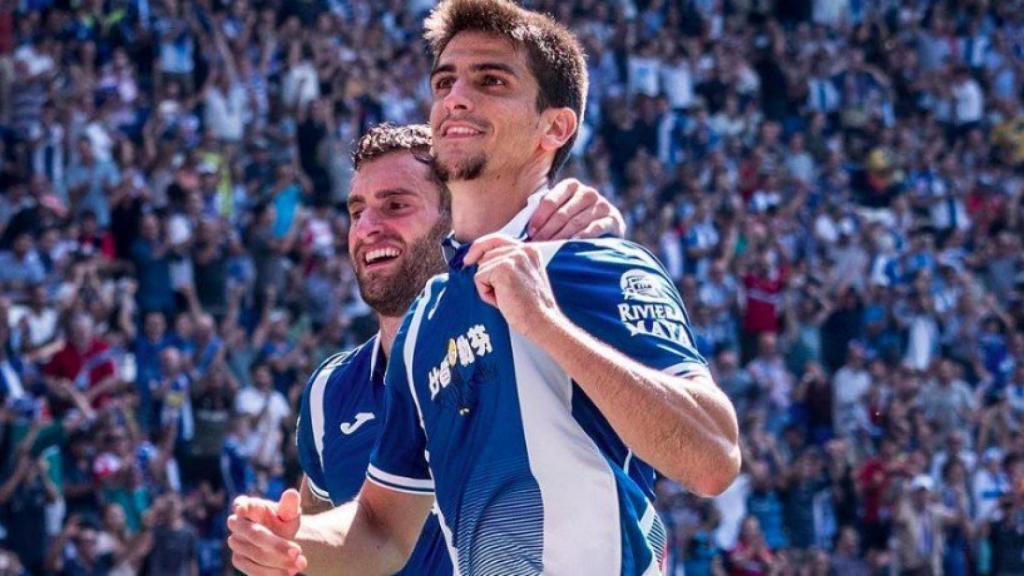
380,283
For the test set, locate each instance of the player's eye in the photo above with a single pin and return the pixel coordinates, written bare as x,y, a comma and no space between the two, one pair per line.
491,80
355,213
397,206
443,83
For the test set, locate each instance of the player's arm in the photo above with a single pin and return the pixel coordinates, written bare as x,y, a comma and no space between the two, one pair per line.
682,424
374,534
675,419
378,531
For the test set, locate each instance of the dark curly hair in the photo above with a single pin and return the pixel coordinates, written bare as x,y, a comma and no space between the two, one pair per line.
555,56
387,138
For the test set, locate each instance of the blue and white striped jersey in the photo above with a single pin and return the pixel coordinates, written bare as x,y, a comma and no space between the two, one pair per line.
340,420
529,476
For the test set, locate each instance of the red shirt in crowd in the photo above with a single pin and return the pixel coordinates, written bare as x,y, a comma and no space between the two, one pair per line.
84,370
99,243
744,561
764,295
6,31
874,481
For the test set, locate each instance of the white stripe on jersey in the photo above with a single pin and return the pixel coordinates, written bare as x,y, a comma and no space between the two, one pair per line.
316,405
399,481
315,490
686,368
409,353
582,530
647,525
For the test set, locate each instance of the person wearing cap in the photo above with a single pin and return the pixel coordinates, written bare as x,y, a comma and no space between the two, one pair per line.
919,529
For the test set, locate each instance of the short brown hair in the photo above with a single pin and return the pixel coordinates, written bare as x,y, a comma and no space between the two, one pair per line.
555,56
387,138
383,139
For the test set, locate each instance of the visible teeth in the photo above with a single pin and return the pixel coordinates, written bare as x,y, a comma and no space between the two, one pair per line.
374,255
462,131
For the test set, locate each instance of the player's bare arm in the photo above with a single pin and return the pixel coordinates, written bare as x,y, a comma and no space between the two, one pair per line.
373,534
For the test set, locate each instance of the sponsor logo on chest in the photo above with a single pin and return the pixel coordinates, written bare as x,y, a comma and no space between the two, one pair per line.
463,350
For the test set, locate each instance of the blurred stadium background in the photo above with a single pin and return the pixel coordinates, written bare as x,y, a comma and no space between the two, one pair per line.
836,186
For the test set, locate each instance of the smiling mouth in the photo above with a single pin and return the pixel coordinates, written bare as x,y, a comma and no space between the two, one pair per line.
380,256
461,132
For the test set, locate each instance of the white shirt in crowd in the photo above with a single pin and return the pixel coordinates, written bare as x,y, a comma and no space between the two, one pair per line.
732,508
677,83
301,85
225,113
970,102
643,75
849,385
830,12
922,342
254,403
986,491
42,327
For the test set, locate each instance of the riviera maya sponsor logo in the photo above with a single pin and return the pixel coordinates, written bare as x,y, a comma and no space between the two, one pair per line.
650,309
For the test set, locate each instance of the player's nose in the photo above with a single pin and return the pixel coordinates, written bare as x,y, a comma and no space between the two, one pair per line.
369,224
458,97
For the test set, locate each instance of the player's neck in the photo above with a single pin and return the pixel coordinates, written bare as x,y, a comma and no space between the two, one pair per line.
389,326
486,204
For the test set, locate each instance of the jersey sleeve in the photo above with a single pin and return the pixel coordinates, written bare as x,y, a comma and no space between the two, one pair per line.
619,293
309,456
399,460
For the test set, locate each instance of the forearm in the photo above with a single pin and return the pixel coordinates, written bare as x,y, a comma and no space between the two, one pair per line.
8,487
108,385
52,494
347,540
684,426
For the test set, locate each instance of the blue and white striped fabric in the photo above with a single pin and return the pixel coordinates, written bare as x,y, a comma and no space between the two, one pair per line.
340,421
529,476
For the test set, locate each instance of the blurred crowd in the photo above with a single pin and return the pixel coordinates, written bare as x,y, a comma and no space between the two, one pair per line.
836,186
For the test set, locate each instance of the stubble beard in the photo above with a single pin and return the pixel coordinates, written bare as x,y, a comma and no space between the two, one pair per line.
466,169
391,295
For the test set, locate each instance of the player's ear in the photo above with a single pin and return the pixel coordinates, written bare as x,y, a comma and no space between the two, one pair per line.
559,126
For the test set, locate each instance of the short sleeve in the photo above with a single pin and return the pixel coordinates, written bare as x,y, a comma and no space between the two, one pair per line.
309,457
399,460
619,293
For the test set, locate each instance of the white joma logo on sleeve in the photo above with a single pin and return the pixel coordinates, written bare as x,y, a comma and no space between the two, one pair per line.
348,428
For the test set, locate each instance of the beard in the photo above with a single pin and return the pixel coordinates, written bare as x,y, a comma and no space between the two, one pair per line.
391,294
466,169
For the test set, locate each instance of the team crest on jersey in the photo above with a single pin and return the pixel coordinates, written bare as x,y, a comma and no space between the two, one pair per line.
649,308
643,286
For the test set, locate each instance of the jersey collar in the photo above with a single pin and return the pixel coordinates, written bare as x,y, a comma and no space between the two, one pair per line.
378,362
454,251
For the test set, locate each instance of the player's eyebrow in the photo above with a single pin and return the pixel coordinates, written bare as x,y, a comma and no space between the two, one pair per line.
380,195
390,192
495,66
481,67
